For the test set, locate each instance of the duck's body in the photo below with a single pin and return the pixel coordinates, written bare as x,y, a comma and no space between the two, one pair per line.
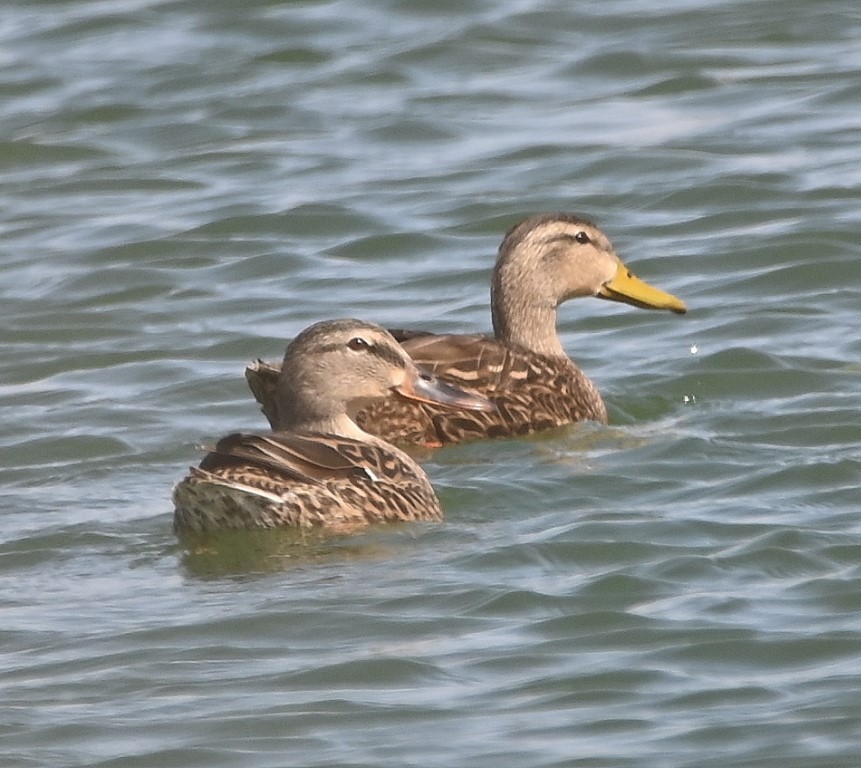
523,368
302,480
321,469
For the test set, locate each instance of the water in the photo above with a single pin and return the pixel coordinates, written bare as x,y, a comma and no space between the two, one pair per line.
189,184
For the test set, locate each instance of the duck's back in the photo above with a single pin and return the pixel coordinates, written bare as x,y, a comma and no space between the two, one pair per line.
531,392
292,479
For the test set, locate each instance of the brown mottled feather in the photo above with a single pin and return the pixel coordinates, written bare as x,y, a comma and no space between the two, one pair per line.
290,479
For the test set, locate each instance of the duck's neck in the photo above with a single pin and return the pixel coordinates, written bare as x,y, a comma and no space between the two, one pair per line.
342,426
521,315
304,407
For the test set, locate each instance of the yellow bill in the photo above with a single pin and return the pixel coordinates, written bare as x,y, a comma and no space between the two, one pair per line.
629,289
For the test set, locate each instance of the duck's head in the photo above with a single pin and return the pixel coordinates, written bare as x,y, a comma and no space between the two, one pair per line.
334,368
550,258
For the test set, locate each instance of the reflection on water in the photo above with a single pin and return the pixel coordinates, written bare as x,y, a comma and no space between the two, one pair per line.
236,553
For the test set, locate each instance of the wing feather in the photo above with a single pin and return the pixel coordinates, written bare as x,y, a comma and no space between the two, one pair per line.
293,456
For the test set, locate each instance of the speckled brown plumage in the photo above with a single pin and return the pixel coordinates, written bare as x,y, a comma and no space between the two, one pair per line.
270,481
321,469
523,369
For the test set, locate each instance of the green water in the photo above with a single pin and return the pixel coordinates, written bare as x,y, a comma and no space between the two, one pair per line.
187,185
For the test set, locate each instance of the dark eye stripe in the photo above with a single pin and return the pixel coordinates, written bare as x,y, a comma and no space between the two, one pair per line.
382,351
581,237
388,354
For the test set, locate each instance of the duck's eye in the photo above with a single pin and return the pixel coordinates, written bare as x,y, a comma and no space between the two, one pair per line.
357,343
582,238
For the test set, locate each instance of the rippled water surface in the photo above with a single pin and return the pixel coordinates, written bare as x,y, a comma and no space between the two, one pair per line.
188,184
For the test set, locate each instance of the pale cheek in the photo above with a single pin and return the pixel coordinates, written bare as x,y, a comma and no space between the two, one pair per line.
608,273
396,378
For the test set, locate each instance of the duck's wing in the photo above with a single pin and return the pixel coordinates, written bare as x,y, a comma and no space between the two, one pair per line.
478,363
531,392
287,458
